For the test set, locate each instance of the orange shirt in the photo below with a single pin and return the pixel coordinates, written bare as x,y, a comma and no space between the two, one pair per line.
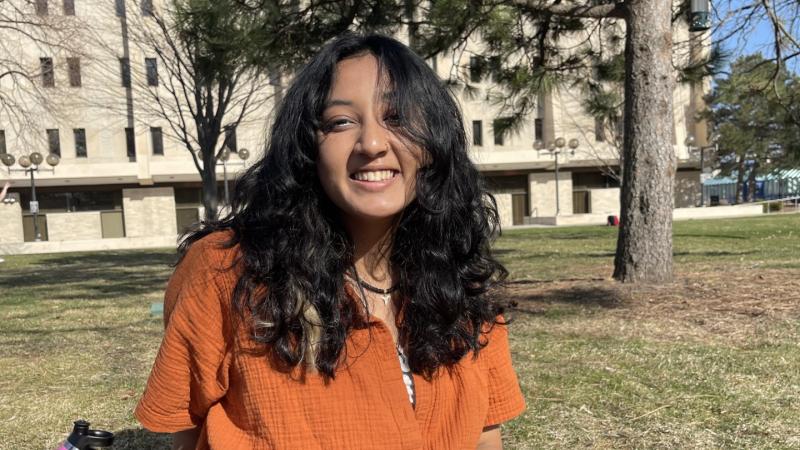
203,377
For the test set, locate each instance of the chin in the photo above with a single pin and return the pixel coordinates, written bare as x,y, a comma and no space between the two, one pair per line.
376,213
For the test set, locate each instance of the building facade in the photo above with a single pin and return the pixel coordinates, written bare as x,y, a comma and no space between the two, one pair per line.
124,180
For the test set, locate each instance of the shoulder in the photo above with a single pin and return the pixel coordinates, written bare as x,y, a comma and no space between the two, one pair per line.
208,270
212,251
494,340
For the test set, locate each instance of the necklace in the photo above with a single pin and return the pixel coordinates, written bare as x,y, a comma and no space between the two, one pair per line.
385,294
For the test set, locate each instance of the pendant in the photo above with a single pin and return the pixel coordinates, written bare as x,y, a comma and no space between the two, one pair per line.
385,298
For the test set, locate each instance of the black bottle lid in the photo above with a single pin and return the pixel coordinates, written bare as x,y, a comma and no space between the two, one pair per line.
85,439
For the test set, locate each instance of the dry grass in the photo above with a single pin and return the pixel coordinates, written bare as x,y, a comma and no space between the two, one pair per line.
708,361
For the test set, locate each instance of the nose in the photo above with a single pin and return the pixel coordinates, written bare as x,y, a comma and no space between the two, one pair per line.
373,141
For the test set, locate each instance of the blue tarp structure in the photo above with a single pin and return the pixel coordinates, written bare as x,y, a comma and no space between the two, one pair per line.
780,184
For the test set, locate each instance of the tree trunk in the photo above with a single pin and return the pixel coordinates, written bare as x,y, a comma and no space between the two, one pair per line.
740,181
751,183
644,246
209,177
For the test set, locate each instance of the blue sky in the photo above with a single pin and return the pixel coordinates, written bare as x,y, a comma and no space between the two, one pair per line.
744,41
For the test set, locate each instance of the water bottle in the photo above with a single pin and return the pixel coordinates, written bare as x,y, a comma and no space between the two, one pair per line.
82,438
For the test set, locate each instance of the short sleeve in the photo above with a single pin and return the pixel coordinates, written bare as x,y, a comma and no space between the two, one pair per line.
505,397
190,371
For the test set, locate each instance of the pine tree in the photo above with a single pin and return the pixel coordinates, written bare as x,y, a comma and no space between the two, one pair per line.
757,134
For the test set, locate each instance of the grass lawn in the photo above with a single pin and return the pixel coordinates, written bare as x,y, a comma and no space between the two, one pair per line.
708,361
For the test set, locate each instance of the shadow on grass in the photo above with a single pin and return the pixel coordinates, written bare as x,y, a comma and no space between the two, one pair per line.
713,253
93,275
141,439
709,236
540,303
531,282
546,233
58,331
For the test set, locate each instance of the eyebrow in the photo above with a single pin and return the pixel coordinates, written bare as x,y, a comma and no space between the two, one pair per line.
339,102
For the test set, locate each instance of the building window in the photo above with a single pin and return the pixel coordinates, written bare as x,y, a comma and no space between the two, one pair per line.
125,71
48,77
54,141
538,129
157,140
74,69
500,127
130,143
475,69
69,7
230,139
80,142
2,142
41,7
147,7
152,71
120,7
599,129
477,133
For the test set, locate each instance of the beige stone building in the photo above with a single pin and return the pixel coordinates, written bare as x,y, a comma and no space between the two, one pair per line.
125,181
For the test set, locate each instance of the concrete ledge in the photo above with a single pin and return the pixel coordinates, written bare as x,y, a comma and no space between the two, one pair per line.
573,219
89,245
717,212
709,212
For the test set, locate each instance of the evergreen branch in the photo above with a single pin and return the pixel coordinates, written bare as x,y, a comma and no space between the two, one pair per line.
611,10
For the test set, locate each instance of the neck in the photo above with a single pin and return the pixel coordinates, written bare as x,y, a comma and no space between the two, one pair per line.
372,241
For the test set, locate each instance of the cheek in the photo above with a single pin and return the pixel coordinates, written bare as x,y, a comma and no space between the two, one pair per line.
332,173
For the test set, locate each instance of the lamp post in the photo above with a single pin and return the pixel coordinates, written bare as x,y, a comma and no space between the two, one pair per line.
555,148
224,157
30,164
690,140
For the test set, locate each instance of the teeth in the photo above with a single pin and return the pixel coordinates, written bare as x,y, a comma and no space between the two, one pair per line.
374,175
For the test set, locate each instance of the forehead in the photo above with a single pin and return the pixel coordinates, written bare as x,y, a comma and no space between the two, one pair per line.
358,76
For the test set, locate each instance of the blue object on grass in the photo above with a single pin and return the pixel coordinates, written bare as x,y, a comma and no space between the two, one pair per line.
157,309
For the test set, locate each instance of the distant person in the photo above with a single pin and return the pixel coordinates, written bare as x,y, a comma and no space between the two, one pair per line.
348,299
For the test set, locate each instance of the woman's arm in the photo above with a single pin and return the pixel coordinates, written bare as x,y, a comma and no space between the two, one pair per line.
490,439
186,439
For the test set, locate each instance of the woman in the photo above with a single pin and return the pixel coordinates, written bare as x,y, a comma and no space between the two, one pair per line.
346,302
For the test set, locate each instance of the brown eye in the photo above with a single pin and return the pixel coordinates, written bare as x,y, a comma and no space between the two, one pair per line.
336,124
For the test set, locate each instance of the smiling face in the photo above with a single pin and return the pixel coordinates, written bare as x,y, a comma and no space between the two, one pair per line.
366,169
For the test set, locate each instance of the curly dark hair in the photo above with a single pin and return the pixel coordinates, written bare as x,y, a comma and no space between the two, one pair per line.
292,240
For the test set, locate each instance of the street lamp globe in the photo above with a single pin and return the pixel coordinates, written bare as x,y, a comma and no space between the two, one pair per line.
36,158
538,144
574,143
551,145
24,161
53,159
561,142
689,140
8,159
226,154
244,154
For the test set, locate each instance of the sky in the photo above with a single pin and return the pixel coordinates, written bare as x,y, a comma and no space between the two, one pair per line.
745,41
